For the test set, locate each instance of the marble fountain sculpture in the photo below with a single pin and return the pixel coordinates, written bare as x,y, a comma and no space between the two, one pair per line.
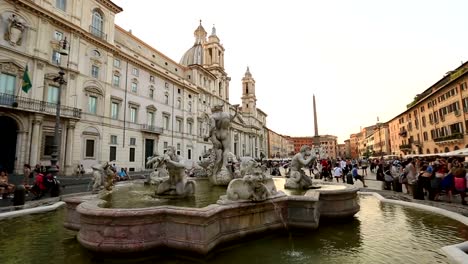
169,176
252,205
103,178
220,161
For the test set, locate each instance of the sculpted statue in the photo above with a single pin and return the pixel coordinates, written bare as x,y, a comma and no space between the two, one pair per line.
103,177
220,170
177,183
255,185
297,177
159,173
15,30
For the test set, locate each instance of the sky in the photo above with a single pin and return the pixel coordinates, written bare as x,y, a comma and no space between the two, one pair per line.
362,59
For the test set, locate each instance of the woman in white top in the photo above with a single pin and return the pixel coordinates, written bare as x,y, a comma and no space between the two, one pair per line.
337,172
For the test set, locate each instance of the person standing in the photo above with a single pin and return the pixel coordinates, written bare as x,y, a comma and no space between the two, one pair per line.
411,176
27,174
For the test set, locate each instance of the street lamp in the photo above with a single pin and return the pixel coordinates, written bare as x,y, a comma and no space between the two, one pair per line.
53,169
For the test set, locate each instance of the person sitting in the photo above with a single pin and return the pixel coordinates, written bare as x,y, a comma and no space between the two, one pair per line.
123,176
6,188
356,175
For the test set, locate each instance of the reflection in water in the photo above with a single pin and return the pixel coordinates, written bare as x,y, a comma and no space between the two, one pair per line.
379,234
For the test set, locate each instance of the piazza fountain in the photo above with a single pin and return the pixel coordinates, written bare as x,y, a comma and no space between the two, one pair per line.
251,204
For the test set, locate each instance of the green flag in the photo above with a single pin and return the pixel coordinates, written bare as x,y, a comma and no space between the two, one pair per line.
26,81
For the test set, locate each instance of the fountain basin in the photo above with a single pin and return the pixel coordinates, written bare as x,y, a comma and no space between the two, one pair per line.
191,229
337,200
199,230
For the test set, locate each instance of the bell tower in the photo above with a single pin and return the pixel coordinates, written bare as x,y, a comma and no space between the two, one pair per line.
248,93
214,51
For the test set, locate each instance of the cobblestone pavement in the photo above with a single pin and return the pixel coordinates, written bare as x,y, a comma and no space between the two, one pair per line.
71,185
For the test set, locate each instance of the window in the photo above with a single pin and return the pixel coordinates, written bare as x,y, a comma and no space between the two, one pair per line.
166,121
95,71
132,141
166,99
134,87
117,63
165,144
151,93
113,139
152,78
178,148
189,154
116,80
58,35
135,71
48,143
133,114
190,106
61,4
114,110
200,128
179,125
89,151
112,153
190,128
97,24
56,57
150,119
132,155
52,94
179,103
7,83
96,53
92,104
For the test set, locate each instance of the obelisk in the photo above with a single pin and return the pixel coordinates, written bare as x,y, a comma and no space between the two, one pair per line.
316,135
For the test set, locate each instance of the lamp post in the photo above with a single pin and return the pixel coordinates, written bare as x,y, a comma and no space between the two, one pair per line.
53,169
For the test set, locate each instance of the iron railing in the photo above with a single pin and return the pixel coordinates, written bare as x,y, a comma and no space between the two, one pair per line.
97,32
33,105
455,136
151,129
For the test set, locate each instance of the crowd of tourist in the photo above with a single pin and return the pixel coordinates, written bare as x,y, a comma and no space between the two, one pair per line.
426,178
432,178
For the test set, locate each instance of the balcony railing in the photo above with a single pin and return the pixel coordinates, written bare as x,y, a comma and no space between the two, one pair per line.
97,32
449,138
32,105
403,133
405,146
151,129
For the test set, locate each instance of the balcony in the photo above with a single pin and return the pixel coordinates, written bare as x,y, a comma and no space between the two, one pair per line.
151,129
405,147
97,32
403,133
37,106
454,138
417,143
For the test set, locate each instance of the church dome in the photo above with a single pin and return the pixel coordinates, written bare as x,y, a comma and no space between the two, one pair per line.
195,54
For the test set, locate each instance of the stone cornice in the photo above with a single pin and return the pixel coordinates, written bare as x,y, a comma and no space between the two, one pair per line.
51,17
109,4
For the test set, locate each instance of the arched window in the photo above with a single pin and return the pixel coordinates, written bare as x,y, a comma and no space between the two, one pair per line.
97,24
446,149
456,148
436,151
428,151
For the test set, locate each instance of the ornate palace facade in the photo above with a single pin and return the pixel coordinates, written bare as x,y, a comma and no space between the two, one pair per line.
123,100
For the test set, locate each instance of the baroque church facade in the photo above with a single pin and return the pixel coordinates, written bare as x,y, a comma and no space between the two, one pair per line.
123,100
